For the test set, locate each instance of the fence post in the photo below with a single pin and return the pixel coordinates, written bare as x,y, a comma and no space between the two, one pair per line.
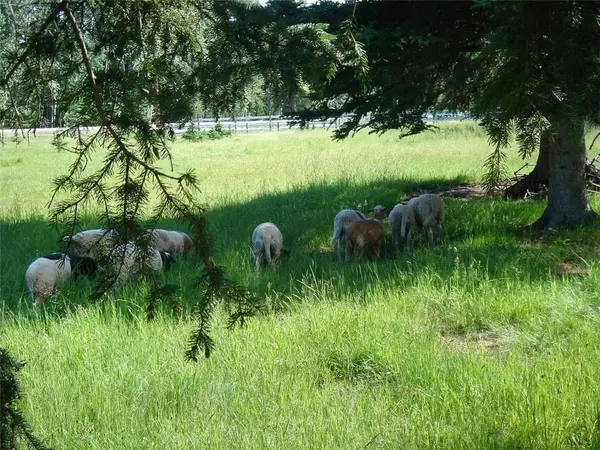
246,126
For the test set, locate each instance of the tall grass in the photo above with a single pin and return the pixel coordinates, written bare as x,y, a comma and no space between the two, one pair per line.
490,340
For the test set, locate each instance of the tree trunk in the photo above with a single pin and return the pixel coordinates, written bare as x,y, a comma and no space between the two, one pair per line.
537,179
568,203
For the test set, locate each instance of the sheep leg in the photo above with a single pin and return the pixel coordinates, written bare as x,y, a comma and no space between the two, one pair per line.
358,251
395,242
38,299
409,241
257,260
430,235
342,249
376,252
348,249
275,253
267,251
440,228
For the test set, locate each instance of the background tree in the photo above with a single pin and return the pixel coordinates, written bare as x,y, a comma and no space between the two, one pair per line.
520,67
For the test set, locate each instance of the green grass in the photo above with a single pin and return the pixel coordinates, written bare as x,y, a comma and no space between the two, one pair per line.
491,340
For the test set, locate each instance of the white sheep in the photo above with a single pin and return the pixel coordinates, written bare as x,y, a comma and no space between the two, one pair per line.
93,243
126,260
425,211
267,244
173,242
429,213
341,222
402,224
45,273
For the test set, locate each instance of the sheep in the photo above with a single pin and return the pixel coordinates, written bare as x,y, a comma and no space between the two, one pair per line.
379,212
267,244
127,260
425,211
364,234
341,222
93,243
402,224
429,213
172,242
45,273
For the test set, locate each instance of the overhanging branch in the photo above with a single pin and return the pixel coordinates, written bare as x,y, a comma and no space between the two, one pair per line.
60,6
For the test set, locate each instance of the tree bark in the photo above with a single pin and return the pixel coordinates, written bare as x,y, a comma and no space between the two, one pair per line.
568,203
537,179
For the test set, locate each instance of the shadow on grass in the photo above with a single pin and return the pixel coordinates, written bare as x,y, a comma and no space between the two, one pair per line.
479,233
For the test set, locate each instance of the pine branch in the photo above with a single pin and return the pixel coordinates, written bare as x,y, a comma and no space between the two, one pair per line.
33,42
499,131
12,423
495,172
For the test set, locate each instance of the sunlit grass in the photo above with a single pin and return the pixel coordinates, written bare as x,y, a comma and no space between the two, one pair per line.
491,340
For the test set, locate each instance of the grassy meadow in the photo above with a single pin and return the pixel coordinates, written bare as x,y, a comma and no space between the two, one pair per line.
488,341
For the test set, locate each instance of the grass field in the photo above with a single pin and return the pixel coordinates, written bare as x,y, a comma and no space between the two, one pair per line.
490,340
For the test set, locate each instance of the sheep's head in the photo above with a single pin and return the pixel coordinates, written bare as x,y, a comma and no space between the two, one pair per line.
82,265
167,259
379,212
189,244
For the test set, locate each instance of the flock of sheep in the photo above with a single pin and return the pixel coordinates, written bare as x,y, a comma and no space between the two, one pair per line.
87,248
353,232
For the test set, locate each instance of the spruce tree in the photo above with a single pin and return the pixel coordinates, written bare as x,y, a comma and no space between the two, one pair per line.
521,68
14,429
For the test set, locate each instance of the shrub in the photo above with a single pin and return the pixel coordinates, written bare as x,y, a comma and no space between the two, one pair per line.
193,134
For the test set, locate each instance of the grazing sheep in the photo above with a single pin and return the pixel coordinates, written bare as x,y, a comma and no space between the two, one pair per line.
429,213
173,242
425,211
126,259
364,234
267,244
341,222
402,224
379,212
93,243
45,273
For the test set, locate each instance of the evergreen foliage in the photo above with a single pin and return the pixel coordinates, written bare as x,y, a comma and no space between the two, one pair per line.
519,67
192,134
13,426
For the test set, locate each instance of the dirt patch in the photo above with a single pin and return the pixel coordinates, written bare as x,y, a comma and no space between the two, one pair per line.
478,341
571,268
326,249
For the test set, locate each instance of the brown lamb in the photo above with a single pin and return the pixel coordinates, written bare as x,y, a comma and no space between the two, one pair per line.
365,234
